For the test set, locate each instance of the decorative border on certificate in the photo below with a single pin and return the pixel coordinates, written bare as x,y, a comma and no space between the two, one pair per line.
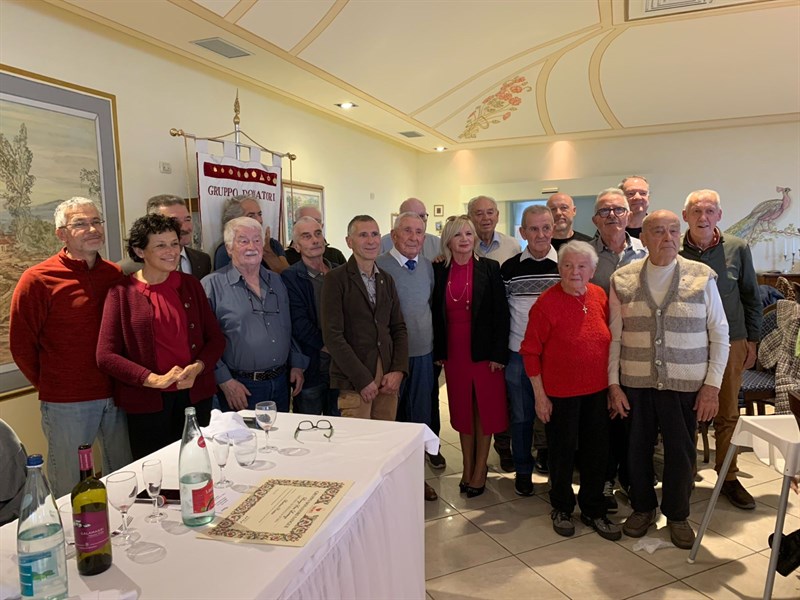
284,512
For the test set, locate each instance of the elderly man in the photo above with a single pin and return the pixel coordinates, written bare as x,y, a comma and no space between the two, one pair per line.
252,307
563,208
331,254
526,276
431,246
196,262
484,214
363,328
303,282
727,255
637,192
669,346
413,276
55,320
245,206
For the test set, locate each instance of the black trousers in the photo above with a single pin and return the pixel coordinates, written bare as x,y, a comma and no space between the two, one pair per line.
436,424
618,452
674,413
152,431
582,422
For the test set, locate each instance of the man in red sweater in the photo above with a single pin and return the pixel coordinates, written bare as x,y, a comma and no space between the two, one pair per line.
55,319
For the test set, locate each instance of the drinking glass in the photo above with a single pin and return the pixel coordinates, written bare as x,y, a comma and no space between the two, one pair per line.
122,488
266,413
245,447
152,474
221,444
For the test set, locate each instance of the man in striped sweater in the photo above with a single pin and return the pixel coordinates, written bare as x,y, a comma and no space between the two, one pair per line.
669,347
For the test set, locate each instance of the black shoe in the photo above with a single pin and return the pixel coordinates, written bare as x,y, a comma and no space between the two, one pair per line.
562,523
462,487
436,461
540,464
506,460
523,486
611,500
473,492
789,553
604,528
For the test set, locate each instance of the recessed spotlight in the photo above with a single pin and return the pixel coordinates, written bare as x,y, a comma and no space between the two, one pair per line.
440,148
346,105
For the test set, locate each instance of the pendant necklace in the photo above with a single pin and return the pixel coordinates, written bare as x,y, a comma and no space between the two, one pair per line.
582,303
464,291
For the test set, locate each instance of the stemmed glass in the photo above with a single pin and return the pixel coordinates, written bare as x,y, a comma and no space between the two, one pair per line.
266,413
122,488
221,445
152,473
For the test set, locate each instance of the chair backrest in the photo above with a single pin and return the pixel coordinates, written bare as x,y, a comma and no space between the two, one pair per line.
770,322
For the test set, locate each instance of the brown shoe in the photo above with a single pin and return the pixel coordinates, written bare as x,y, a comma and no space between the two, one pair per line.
681,534
739,497
430,493
637,524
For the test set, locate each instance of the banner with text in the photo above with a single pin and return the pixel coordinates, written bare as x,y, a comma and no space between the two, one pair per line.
221,177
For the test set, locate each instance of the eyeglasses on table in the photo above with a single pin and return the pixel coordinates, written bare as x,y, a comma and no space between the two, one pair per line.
323,425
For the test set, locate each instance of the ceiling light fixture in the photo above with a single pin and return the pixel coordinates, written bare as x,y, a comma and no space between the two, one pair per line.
440,148
346,105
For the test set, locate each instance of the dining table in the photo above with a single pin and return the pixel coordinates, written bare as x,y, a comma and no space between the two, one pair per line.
370,546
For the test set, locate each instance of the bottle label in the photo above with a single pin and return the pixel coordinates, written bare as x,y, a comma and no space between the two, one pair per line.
203,498
91,531
85,460
201,441
38,571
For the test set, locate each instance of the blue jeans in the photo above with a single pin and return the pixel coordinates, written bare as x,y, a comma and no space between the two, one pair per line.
67,425
318,400
276,390
414,401
524,425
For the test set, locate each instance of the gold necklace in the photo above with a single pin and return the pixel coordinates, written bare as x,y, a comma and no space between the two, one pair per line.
582,302
464,291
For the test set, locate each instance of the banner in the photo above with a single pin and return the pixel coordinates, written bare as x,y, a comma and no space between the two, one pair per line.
220,177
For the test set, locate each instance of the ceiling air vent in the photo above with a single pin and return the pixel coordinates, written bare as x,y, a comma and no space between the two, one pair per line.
411,134
221,47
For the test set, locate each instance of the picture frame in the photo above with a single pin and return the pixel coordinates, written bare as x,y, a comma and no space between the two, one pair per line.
438,210
70,133
295,195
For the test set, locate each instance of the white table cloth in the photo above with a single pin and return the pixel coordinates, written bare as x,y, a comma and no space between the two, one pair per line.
371,546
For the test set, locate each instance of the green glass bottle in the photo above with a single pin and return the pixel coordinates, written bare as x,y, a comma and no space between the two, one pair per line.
90,518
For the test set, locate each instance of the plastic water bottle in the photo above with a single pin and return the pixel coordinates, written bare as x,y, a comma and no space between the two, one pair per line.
40,539
194,470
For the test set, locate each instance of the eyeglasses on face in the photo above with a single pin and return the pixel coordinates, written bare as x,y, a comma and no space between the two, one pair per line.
323,425
617,210
83,225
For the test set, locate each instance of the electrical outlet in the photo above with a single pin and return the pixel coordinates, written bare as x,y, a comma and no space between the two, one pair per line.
164,167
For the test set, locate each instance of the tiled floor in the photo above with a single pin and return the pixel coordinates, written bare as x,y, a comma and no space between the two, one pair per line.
499,545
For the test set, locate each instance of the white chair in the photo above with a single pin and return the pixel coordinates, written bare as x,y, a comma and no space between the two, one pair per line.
775,439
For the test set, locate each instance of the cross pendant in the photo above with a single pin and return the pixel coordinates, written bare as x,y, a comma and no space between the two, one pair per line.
585,310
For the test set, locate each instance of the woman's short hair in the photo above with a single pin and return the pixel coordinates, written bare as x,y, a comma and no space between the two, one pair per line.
229,233
452,226
148,225
577,247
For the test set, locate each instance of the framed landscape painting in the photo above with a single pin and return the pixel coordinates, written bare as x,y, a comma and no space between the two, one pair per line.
57,140
296,195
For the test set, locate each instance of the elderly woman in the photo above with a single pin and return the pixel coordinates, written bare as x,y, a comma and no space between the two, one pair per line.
245,206
470,337
159,339
565,351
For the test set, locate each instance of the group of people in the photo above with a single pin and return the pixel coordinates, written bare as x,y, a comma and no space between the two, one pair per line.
581,348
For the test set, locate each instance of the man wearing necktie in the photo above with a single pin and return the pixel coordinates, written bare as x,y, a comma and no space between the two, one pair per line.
413,277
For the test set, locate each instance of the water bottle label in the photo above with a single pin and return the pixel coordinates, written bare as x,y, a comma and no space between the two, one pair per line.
91,531
203,498
37,570
201,441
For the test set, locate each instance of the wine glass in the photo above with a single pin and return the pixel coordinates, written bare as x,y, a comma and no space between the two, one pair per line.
152,473
221,444
266,413
245,447
122,488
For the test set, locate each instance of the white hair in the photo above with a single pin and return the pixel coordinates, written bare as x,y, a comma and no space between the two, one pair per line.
705,194
60,215
239,223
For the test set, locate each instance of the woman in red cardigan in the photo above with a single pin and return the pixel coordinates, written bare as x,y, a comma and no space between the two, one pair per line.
565,351
159,339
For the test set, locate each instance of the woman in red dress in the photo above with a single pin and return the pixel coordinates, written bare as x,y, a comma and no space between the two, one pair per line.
470,337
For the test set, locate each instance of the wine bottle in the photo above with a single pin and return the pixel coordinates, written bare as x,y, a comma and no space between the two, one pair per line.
194,472
40,539
90,518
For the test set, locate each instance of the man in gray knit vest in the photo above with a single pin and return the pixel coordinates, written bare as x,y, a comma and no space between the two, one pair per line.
669,347
413,278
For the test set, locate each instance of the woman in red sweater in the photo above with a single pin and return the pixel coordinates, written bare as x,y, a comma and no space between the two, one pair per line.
159,339
565,351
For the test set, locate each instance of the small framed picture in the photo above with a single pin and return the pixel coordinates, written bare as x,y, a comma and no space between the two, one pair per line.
438,210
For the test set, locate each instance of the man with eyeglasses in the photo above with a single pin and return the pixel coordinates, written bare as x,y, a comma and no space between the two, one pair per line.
261,358
431,246
615,248
637,192
196,262
563,209
331,254
55,317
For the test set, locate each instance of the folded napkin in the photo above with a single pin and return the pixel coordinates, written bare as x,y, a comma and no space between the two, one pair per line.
224,422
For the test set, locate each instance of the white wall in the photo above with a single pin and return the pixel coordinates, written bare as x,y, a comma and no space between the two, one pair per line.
744,164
